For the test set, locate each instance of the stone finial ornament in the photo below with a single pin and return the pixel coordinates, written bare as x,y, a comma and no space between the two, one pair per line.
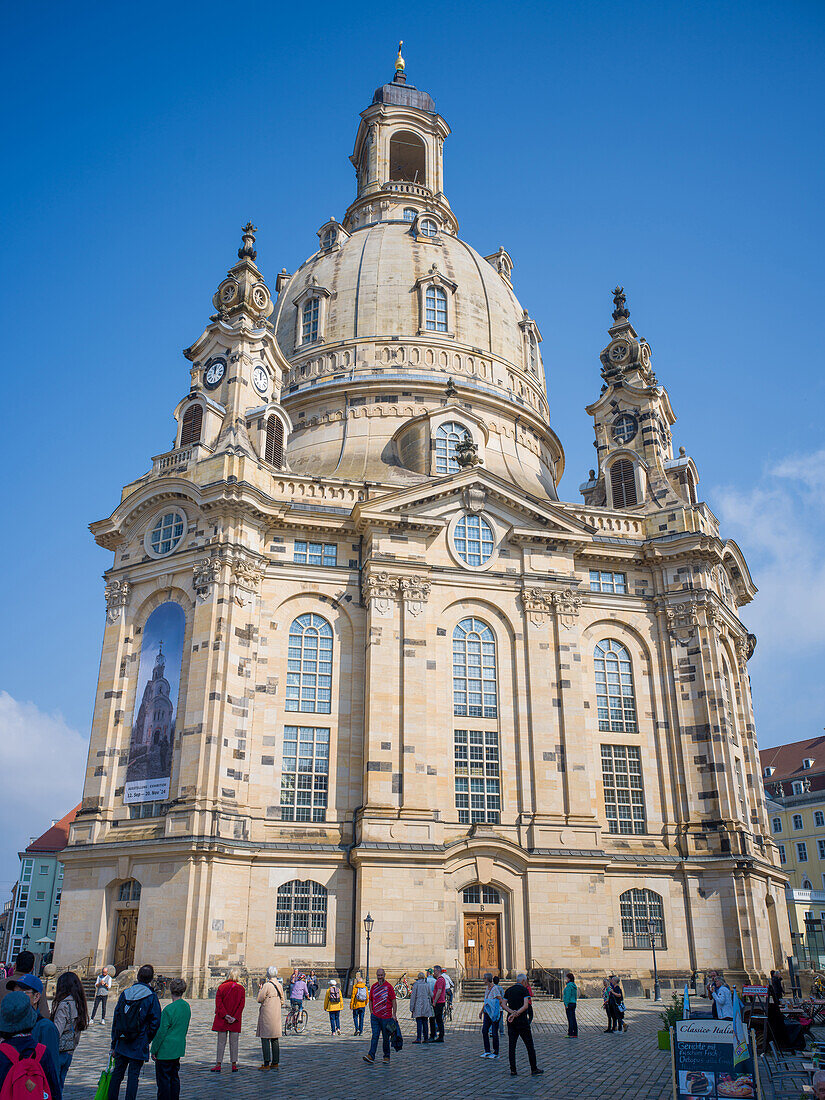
247,249
399,61
620,312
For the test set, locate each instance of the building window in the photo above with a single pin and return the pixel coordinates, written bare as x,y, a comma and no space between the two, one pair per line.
129,890
304,776
190,431
637,909
802,851
43,868
607,582
473,538
784,859
447,438
474,670
436,309
477,776
140,810
624,801
481,895
274,442
821,847
26,870
615,701
329,239
309,320
315,553
309,665
36,922
409,214
797,787
427,228
623,483
301,913
167,533
797,821
40,895
819,819
776,824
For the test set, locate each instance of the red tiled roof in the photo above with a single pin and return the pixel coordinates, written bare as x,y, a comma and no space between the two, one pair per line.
56,838
787,759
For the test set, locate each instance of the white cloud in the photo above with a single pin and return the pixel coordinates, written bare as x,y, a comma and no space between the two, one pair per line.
42,763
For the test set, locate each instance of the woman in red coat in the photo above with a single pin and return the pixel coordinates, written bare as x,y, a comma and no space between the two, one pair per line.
229,1001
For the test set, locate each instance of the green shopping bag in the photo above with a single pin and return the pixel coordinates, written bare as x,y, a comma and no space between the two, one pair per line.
102,1091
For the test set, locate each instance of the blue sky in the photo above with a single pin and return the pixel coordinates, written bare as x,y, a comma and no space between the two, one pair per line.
671,147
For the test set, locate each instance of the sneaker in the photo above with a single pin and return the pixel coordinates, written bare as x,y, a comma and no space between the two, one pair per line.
494,1057
369,1058
264,1066
234,1067
536,1072
215,1069
386,1060
485,1055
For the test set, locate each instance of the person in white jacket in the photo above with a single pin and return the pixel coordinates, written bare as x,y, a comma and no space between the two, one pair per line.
723,998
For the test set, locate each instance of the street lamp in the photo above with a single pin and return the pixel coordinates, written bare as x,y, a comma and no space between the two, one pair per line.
652,929
368,923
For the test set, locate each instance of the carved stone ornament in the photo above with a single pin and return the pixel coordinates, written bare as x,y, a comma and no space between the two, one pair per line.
117,597
380,591
245,574
567,605
682,620
474,497
205,574
537,604
415,592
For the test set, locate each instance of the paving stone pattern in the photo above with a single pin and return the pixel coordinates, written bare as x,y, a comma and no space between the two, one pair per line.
317,1067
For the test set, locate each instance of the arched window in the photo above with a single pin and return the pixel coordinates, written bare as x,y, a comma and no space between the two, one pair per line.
274,448
623,483
408,158
807,884
615,701
474,670
436,309
309,665
481,895
729,702
409,214
301,913
642,913
129,890
329,238
428,228
190,431
309,320
447,438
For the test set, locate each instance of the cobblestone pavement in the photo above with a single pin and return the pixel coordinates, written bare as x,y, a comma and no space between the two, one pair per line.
317,1067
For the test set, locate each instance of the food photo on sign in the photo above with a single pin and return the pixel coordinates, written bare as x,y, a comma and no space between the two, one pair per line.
739,1085
697,1083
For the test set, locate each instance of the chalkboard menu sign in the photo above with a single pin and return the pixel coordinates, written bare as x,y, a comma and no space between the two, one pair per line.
703,1062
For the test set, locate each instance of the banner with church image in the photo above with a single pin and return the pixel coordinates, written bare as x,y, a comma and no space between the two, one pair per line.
149,770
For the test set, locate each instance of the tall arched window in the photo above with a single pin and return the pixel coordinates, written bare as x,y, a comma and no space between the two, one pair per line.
615,701
436,309
309,320
729,702
191,428
309,665
637,909
474,670
274,448
623,483
447,438
301,913
408,158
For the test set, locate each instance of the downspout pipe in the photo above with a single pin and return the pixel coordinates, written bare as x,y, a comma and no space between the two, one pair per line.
354,915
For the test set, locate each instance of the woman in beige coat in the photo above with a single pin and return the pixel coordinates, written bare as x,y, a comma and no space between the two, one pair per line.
269,1031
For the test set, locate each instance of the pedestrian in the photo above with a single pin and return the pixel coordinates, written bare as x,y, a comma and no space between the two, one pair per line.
617,1003
333,1003
516,1001
293,978
70,1015
103,983
722,998
450,987
23,964
776,988
382,1010
270,1025
431,987
44,1030
313,985
17,1019
439,1002
135,1022
421,1008
358,1003
230,998
490,1015
819,1085
297,991
607,1005
710,981
169,1044
570,996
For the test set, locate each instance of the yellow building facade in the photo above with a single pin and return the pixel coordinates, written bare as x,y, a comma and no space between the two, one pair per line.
404,677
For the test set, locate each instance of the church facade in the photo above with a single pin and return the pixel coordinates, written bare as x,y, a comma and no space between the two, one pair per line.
410,681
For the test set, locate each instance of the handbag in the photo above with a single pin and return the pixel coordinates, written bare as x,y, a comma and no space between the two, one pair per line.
102,1090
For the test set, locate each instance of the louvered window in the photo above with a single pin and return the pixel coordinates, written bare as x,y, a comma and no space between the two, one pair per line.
623,483
191,429
274,450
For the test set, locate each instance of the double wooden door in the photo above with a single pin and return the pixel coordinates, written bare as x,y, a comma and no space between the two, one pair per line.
481,944
127,922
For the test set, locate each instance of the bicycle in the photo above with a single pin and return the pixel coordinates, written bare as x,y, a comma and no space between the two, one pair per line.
296,1020
448,1007
402,987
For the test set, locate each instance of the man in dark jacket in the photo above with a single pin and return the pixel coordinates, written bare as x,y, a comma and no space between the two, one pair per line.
17,1018
135,1022
23,964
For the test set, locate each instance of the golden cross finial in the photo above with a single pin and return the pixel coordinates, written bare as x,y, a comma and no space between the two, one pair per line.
399,61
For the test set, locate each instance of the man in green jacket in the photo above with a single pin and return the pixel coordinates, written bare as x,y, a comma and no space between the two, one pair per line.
570,996
169,1045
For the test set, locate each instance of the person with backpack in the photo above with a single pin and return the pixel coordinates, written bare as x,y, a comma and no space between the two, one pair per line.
490,1015
270,1025
135,1023
44,1030
333,1003
421,1008
169,1044
230,998
358,1003
26,1067
70,1015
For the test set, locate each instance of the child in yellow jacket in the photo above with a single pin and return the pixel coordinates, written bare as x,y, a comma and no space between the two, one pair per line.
333,1003
358,1003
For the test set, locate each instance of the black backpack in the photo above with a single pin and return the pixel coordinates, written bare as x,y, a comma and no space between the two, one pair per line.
128,1019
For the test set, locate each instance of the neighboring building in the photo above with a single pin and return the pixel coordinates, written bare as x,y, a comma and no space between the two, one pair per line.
38,892
794,777
404,676
5,923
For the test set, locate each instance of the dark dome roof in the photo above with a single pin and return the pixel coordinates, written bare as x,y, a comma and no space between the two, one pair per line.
404,95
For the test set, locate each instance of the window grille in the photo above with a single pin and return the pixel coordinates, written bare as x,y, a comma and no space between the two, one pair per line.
481,895
301,914
602,581
615,700
305,774
309,665
637,908
477,776
474,670
436,309
447,438
624,800
473,538
309,320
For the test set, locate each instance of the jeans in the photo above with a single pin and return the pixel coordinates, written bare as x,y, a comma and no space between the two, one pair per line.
489,1028
520,1029
379,1030
65,1057
335,1021
102,1002
233,1047
422,1029
358,1019
572,1026
167,1075
122,1064
272,1052
439,1021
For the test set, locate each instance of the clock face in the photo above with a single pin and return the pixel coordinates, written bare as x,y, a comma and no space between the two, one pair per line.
260,380
618,352
625,427
214,373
